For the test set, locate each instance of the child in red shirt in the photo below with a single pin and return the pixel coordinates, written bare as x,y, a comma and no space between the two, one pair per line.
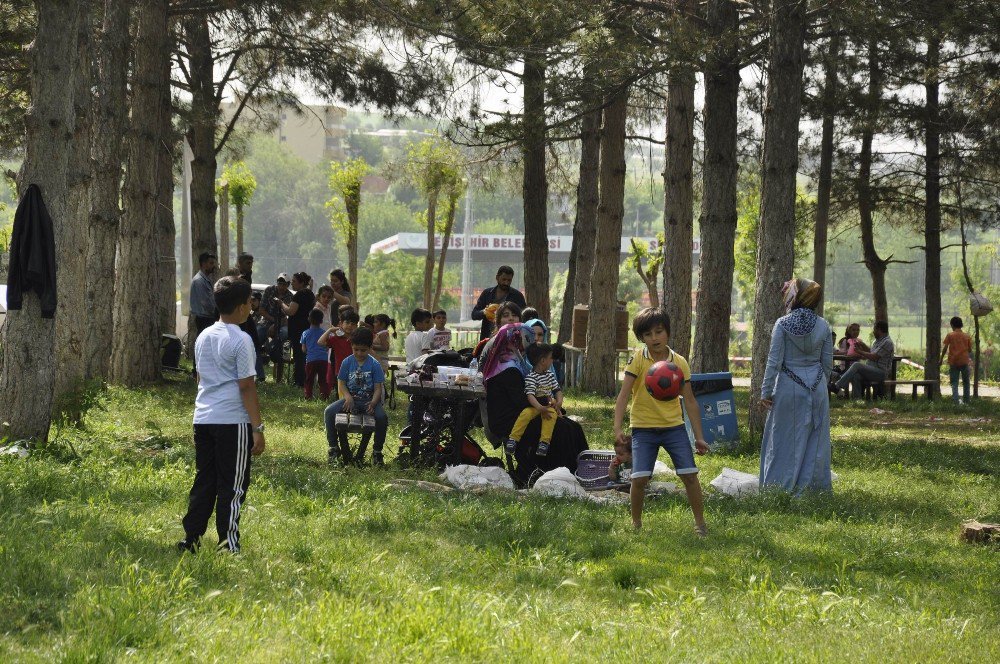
338,340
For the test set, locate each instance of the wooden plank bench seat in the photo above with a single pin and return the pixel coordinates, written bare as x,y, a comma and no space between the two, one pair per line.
929,387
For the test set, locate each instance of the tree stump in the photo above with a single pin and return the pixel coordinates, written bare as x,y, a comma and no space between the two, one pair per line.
980,533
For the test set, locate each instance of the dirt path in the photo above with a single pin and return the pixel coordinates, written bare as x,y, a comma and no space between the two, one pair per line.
984,390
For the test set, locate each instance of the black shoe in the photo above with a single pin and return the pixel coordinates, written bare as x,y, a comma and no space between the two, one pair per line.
332,458
510,446
543,449
378,459
188,546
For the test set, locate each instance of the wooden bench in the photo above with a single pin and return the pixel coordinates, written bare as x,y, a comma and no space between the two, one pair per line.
929,386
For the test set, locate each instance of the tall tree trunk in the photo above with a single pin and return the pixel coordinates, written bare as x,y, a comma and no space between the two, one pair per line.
678,208
137,324
965,273
165,228
600,361
201,137
569,293
866,201
224,228
776,233
825,183
432,200
239,230
718,203
585,225
71,318
353,211
102,233
449,224
932,209
535,188
27,377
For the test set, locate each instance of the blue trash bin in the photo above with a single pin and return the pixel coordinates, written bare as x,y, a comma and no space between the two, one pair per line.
714,393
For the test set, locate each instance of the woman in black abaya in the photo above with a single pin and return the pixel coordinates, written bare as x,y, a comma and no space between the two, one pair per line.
504,368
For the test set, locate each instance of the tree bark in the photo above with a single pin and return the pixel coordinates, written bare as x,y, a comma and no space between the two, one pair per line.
600,361
134,356
535,188
581,256
432,200
678,208
932,209
449,224
239,230
718,204
825,182
965,273
223,211
569,293
102,235
27,377
776,233
71,318
201,137
165,227
866,201
353,212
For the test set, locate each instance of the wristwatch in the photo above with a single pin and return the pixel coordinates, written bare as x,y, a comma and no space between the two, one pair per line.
259,428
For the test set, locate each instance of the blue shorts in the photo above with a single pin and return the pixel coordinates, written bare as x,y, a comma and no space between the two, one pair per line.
646,444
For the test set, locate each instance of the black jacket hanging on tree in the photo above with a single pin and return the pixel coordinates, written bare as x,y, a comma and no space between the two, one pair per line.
32,254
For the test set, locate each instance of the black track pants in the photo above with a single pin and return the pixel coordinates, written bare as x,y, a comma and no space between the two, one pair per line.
222,459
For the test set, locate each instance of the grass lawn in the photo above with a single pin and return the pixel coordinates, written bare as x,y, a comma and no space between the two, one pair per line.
338,565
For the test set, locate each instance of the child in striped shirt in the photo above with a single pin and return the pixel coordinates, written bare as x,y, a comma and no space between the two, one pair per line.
545,399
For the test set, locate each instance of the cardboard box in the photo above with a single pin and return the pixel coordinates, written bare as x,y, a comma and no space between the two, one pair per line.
581,318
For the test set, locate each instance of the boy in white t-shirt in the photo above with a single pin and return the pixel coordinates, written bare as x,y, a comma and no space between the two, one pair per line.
228,429
416,340
439,336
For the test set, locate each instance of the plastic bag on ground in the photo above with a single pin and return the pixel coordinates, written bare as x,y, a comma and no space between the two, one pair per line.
468,477
660,468
15,451
559,482
735,483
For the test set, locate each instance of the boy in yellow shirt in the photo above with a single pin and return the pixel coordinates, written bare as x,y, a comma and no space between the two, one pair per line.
657,424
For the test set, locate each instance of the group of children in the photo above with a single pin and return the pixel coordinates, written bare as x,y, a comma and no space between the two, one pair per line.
229,429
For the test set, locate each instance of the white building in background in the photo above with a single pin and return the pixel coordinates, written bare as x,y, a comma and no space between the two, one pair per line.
313,133
488,252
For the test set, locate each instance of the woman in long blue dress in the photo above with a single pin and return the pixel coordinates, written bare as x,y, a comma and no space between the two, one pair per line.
795,452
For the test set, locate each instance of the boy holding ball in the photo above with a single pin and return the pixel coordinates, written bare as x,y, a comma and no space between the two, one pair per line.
659,423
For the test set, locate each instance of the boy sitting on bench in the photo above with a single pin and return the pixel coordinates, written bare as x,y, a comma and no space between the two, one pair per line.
360,384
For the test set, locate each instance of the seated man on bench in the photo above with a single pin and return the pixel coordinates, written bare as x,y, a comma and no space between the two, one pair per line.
878,367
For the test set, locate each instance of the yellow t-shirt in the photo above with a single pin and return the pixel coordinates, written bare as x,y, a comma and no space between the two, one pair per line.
646,412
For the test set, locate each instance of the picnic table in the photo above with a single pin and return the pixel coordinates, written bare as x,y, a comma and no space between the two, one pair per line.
891,378
454,396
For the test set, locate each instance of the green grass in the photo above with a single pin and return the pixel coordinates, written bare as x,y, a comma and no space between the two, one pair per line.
338,565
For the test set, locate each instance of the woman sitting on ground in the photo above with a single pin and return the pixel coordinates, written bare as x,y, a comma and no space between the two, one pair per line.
506,313
504,367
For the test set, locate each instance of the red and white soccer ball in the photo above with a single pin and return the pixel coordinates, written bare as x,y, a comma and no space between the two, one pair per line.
664,381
